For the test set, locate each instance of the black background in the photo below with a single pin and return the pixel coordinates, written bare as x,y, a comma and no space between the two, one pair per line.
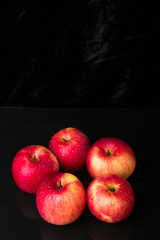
92,53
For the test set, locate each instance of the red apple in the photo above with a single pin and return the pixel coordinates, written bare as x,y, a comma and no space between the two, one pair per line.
61,198
110,156
31,164
110,198
70,146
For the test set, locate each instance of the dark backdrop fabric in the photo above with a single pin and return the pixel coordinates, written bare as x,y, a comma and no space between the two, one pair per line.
97,53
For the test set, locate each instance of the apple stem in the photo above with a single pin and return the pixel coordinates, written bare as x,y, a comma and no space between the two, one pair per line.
111,189
108,152
34,159
65,140
60,185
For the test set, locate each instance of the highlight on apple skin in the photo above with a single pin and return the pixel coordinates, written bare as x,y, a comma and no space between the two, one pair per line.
110,198
70,146
31,164
61,198
110,155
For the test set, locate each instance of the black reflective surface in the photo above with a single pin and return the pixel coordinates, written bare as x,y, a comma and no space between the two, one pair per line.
20,127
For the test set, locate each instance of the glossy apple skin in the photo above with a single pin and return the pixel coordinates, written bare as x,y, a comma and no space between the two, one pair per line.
110,206
61,198
121,162
70,146
31,164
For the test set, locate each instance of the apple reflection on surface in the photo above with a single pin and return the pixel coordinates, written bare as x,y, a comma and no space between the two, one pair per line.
76,230
86,227
27,205
98,230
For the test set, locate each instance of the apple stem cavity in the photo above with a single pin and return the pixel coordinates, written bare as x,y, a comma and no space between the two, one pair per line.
34,159
111,189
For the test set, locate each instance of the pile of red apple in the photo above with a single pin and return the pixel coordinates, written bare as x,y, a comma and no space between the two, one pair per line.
60,195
